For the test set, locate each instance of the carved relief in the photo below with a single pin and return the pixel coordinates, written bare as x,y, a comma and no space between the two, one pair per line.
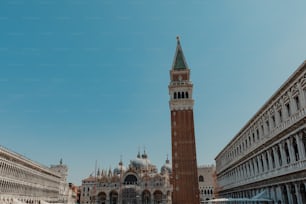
294,90
303,81
286,98
278,105
266,117
271,111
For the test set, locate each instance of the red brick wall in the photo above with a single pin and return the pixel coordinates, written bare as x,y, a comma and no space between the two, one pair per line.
184,163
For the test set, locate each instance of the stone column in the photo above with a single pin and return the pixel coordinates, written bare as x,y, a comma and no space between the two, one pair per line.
298,193
276,158
270,159
265,128
274,195
283,154
300,145
252,167
264,161
259,165
289,193
291,150
277,117
255,167
302,95
278,192
245,171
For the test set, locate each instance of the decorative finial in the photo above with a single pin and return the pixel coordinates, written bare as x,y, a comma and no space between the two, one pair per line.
138,155
61,161
121,163
178,39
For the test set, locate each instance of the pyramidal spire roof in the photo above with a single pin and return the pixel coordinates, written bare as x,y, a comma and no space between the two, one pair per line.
179,61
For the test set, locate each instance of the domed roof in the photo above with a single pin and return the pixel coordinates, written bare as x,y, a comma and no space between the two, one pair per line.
119,168
141,162
167,167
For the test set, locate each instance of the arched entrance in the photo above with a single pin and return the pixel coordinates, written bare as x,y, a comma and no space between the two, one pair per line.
303,192
146,197
113,197
285,195
293,194
129,196
101,199
158,197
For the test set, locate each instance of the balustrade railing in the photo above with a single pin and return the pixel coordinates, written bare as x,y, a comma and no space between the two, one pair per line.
283,170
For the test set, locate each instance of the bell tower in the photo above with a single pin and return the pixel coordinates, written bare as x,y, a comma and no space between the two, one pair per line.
184,162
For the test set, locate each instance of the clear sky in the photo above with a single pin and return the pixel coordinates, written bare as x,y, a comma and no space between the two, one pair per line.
87,80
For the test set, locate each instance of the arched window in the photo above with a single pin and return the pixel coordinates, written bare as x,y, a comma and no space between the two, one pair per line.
101,198
304,141
288,109
186,94
146,197
113,197
174,95
296,151
183,95
279,155
178,94
273,159
130,179
201,178
262,165
287,153
303,192
157,195
267,161
293,194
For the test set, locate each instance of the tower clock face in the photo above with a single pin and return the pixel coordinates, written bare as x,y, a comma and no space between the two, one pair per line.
180,77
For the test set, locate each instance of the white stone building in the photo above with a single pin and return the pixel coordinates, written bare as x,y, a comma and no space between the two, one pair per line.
267,157
206,182
139,183
25,181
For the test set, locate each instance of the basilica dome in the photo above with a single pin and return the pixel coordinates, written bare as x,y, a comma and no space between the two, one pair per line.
167,167
141,161
119,168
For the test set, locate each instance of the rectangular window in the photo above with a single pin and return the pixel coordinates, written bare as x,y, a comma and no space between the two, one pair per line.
273,120
280,116
268,126
288,109
297,103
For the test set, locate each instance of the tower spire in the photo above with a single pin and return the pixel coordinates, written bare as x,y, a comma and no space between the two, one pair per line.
179,61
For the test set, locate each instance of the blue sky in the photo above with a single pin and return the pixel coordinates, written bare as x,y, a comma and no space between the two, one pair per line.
88,80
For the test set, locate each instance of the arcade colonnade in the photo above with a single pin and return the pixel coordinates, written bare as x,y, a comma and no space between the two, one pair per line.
268,155
24,180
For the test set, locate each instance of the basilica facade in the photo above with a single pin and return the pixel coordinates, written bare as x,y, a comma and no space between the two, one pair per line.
140,182
267,157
